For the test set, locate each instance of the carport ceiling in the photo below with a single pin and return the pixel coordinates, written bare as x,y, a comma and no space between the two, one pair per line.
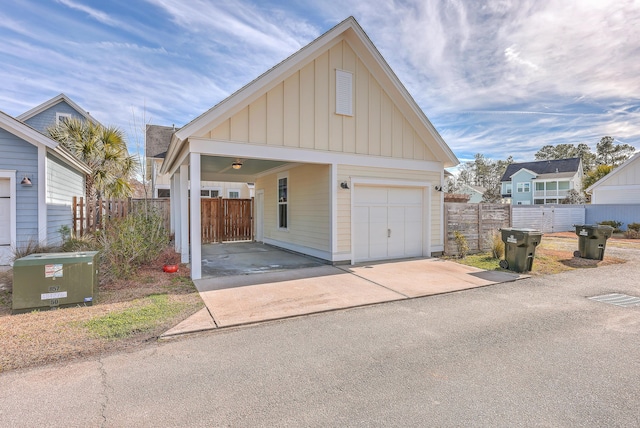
214,167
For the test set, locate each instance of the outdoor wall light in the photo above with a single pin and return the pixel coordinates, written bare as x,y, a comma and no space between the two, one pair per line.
25,181
438,188
344,185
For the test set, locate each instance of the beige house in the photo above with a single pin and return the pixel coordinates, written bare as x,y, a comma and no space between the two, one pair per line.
346,166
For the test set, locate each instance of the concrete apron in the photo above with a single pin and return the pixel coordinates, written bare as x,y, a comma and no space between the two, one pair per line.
245,299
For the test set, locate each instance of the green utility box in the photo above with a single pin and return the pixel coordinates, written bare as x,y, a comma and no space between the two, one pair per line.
592,240
54,280
519,248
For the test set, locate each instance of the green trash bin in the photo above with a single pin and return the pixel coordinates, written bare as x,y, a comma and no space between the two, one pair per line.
54,280
519,248
592,240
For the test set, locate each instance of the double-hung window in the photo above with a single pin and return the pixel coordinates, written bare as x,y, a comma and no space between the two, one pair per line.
283,201
524,187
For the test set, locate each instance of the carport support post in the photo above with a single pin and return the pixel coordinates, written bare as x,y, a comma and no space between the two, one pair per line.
184,213
196,228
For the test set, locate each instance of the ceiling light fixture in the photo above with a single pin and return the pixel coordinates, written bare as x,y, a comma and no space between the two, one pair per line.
236,165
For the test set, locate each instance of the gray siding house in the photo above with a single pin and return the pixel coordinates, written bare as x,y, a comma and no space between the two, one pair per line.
38,179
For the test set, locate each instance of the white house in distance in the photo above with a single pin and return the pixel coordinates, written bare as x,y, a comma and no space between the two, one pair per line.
157,140
620,186
346,166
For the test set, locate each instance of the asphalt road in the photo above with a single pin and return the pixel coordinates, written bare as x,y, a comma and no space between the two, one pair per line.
536,352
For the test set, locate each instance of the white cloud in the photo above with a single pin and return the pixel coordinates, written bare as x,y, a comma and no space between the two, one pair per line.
93,13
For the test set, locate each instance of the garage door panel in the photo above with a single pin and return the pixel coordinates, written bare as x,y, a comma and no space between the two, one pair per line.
370,196
361,233
404,196
396,232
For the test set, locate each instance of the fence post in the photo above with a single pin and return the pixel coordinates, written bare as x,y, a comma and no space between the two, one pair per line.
480,227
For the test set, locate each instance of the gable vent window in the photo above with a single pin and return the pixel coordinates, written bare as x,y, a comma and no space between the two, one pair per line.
62,117
344,93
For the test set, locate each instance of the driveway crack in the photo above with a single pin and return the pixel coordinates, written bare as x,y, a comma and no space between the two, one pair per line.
104,393
373,282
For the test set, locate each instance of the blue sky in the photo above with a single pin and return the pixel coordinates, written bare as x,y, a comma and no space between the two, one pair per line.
496,77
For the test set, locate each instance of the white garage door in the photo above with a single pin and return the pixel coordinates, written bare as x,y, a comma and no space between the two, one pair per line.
388,222
5,212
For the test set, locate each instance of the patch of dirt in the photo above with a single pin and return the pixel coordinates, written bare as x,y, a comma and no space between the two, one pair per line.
569,260
44,337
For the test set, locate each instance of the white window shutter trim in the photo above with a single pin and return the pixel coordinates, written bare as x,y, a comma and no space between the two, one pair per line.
344,93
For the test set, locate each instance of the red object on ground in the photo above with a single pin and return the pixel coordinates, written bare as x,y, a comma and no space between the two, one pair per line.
170,268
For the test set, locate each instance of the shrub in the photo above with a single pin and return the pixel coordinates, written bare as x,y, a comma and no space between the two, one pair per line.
131,241
30,247
87,242
461,244
497,245
634,226
615,224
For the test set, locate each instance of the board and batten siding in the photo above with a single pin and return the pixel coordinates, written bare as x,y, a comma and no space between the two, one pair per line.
22,157
345,172
299,112
47,118
621,187
309,208
63,183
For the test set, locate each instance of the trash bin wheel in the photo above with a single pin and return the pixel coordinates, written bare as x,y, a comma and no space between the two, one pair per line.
576,254
504,264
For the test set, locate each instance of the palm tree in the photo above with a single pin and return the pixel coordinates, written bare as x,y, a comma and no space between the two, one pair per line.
104,150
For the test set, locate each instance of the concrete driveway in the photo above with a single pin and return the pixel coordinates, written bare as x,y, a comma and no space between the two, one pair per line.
243,298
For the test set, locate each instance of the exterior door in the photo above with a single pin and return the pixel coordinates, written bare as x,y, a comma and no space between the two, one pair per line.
388,222
5,212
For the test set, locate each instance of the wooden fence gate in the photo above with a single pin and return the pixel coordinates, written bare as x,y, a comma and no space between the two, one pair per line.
226,220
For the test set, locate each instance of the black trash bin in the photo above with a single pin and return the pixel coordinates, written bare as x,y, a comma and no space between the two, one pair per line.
592,240
519,248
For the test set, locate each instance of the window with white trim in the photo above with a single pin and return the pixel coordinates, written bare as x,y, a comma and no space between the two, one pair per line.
524,187
283,201
233,194
209,193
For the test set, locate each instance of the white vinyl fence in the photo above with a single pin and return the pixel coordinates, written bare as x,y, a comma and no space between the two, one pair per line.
547,218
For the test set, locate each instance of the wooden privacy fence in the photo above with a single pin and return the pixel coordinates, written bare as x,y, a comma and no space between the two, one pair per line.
477,222
225,220
89,217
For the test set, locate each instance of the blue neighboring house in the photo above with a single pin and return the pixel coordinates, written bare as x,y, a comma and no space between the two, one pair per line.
475,193
38,177
541,182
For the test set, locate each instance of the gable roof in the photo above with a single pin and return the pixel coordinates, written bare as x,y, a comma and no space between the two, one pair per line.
52,102
157,140
474,188
30,135
243,97
633,159
554,168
